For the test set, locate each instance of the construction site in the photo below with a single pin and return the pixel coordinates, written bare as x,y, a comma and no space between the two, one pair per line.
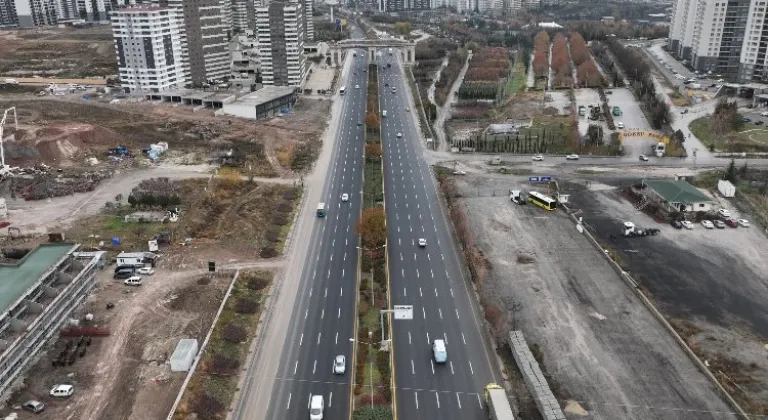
83,181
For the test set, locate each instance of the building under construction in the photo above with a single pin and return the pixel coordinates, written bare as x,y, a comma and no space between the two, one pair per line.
37,294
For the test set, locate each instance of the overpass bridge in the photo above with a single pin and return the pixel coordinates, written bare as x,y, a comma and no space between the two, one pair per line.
406,49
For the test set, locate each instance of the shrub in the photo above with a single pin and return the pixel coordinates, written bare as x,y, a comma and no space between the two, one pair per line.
247,306
207,407
234,333
285,208
268,252
272,235
279,220
258,283
493,316
224,365
289,195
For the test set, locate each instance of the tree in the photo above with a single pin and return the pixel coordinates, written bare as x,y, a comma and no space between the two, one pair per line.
372,227
730,173
403,28
372,121
743,171
377,412
373,151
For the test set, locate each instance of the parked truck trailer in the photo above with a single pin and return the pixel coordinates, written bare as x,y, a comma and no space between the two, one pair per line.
497,403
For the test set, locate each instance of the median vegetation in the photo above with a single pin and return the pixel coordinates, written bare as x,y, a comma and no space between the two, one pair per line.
372,383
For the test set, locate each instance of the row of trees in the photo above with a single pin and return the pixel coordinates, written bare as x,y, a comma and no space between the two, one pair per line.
488,65
541,54
449,74
641,82
544,142
561,63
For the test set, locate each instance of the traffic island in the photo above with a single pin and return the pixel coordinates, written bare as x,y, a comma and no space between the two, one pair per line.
372,384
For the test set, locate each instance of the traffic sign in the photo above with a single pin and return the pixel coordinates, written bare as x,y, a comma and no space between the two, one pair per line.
545,178
403,311
539,178
533,179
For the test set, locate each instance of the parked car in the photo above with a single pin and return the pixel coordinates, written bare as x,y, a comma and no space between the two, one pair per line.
133,281
687,224
644,158
719,224
743,222
677,224
620,125
538,158
147,271
33,406
732,223
707,224
724,212
62,391
745,119
764,114
572,156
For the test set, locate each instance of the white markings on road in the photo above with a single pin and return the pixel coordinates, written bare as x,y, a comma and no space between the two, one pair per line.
458,400
423,312
457,314
337,338
452,371
409,337
472,371
314,273
331,257
428,341
318,337
309,401
445,338
288,406
322,313
433,368
479,402
310,292
401,256
405,293
295,367
402,271
301,339
463,339
437,398
413,368
339,315
326,292
306,313
414,256
420,294
416,394
433,276
342,272
417,272
329,273
428,257
341,291
451,289
440,311
314,367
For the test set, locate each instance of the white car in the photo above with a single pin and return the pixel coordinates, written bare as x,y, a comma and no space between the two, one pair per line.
339,365
572,156
687,224
422,242
62,391
764,114
316,407
743,222
724,212
146,271
644,158
620,125
459,173
399,135
538,158
345,197
133,281
407,109
708,224
357,86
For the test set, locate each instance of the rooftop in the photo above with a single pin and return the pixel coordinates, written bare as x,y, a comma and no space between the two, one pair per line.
16,278
678,191
266,94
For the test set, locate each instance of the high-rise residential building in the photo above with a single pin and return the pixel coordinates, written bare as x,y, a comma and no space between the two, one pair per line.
35,12
8,13
726,37
148,43
242,15
280,33
404,5
26,13
204,38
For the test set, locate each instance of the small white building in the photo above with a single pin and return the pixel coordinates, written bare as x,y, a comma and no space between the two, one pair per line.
184,355
726,188
264,103
131,258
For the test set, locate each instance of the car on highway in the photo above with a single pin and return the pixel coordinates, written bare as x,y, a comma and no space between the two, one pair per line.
684,111
345,197
724,212
316,407
644,158
439,352
357,86
399,135
339,365
687,224
407,109
743,222
422,242
708,224
537,158
147,271
719,224
359,123
572,156
62,391
620,125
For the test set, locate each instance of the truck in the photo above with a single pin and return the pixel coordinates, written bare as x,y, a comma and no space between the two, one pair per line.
659,149
582,110
515,196
497,403
321,210
630,229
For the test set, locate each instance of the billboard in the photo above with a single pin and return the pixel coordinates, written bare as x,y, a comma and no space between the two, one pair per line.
630,134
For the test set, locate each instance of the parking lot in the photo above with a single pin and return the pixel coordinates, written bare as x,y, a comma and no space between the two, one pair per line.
710,283
601,348
587,97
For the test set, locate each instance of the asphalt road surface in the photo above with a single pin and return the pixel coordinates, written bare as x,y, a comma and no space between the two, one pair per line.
323,317
429,278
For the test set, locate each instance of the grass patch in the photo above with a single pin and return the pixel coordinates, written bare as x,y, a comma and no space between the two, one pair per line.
373,187
750,138
515,171
424,126
551,134
678,99
207,379
516,80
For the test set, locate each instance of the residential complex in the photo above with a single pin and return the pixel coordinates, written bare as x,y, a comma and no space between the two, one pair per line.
728,38
149,47
280,34
25,13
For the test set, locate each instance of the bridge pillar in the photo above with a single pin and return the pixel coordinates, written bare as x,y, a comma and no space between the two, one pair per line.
335,56
411,55
371,54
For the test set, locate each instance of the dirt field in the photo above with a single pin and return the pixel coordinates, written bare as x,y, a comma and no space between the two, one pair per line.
58,52
601,348
711,284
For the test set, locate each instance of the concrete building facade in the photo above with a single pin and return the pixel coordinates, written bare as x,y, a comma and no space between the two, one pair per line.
35,12
280,34
148,44
37,296
726,37
264,103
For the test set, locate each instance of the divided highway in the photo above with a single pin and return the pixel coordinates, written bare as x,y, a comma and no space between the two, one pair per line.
429,278
323,317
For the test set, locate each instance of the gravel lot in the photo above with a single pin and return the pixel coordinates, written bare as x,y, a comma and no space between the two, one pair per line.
712,282
601,346
587,97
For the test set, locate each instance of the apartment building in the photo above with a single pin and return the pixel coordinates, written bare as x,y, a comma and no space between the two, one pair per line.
148,43
8,13
27,13
280,33
242,15
35,12
726,37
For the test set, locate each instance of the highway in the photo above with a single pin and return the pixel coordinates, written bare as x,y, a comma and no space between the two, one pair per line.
323,317
429,278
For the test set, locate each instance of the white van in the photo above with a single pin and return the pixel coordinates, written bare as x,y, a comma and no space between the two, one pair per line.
316,406
133,281
384,113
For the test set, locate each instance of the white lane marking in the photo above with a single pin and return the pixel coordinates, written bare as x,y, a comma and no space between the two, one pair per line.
326,292
314,273
301,339
445,338
428,257
457,314
433,371
413,368
479,402
339,315
409,337
405,293
314,367
452,371
463,339
318,337
440,311
451,292
309,401
428,342
458,400
288,406
435,291
322,313
420,294
437,398
416,394
337,338
417,272
295,367
341,292
472,371
306,313
310,292
330,400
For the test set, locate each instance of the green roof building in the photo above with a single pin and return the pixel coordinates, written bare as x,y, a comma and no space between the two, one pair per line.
677,195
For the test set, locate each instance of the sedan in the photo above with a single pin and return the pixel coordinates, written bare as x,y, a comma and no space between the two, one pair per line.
399,135
422,242
357,86
572,157
677,224
538,158
687,224
708,224
724,212
339,365
764,114
407,109
146,271
719,224
743,222
644,158
345,197
620,125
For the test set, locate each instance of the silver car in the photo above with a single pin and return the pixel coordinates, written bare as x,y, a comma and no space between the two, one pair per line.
339,365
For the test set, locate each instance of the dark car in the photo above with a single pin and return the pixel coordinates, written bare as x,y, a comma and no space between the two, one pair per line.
758,123
731,222
677,224
745,119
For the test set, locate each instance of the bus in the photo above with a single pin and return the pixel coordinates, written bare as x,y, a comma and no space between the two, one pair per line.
542,200
343,90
